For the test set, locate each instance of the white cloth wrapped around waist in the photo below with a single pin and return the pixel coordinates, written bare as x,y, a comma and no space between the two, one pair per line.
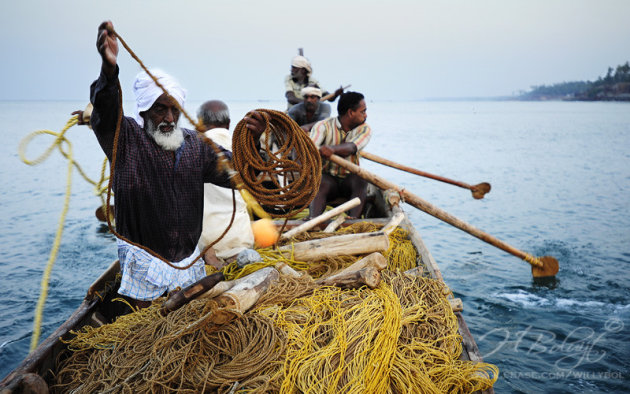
145,277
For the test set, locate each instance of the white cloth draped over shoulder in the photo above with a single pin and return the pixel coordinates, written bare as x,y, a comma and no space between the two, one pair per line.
217,211
146,91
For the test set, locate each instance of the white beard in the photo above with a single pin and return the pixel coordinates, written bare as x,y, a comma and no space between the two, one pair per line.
168,141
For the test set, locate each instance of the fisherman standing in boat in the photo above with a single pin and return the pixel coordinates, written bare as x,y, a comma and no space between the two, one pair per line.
160,171
300,78
345,135
214,115
311,110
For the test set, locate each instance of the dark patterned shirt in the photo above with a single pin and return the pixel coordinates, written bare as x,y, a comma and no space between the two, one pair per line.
159,193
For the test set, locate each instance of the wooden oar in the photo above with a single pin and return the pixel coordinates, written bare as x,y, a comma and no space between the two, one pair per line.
331,95
478,190
348,205
541,266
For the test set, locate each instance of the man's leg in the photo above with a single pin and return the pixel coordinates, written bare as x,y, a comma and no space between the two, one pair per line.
327,189
358,188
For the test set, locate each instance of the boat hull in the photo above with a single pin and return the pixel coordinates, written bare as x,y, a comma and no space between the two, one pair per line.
41,361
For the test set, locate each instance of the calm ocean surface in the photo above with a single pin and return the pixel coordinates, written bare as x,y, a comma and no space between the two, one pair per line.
560,175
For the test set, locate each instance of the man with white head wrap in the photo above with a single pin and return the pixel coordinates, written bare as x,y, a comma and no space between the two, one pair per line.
159,177
300,78
311,110
146,91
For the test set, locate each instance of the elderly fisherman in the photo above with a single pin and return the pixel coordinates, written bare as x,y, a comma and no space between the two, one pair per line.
214,115
159,176
311,110
300,78
345,135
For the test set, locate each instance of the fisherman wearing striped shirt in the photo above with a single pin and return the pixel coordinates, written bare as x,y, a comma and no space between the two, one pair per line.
345,135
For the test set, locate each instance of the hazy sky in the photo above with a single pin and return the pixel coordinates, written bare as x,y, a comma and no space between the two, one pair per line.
393,49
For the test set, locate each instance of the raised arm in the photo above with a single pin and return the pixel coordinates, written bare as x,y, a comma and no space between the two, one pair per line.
338,93
107,45
104,91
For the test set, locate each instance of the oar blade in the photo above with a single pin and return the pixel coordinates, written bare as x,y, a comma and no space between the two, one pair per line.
480,190
550,267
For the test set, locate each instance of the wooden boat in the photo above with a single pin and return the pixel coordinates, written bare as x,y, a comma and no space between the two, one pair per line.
35,371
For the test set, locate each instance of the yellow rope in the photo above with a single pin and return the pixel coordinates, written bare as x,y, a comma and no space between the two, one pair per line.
66,151
59,141
301,337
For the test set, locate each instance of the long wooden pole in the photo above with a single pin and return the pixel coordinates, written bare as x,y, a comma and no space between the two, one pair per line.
478,191
541,266
321,218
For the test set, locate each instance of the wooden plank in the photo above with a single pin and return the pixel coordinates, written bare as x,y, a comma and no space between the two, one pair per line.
365,271
332,226
295,223
425,256
321,218
347,244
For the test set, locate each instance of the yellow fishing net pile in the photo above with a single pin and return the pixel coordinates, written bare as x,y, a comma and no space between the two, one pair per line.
401,254
300,337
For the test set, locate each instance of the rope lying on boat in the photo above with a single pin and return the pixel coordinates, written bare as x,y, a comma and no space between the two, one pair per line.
400,337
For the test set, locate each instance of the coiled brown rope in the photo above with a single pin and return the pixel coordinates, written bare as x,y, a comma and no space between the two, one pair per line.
288,173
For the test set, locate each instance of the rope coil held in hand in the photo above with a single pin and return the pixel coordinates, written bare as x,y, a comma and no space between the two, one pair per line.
289,174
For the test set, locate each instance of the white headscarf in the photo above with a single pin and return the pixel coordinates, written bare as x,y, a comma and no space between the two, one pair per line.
302,62
146,91
312,90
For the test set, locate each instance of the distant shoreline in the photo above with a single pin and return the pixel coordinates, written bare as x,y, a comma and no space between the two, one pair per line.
615,86
515,98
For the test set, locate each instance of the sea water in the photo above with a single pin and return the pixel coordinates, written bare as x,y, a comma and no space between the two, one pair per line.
560,176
